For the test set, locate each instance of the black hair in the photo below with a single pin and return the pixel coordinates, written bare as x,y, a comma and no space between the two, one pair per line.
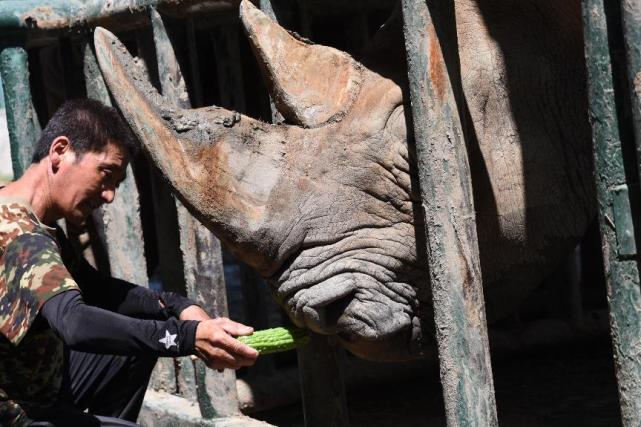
89,126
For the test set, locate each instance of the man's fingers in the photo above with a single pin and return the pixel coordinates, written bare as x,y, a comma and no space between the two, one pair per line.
219,356
237,348
215,357
219,349
236,328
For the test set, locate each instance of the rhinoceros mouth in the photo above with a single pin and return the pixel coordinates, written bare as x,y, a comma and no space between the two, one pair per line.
353,306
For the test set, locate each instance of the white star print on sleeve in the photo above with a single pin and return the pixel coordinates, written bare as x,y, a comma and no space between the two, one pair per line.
169,339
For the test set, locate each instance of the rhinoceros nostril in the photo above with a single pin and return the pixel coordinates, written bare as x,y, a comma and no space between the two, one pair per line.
335,309
323,318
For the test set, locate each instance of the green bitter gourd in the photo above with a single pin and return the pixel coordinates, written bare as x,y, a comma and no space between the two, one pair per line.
276,339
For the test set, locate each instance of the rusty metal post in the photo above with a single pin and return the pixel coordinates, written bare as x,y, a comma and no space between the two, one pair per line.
614,163
450,223
631,20
118,224
24,129
266,6
202,260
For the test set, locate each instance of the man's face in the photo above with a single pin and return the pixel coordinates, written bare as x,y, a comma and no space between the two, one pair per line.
84,183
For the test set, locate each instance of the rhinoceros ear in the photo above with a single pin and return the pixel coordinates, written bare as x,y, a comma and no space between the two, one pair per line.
311,84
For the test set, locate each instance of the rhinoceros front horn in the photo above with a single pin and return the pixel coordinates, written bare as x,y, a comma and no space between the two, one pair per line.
210,156
311,84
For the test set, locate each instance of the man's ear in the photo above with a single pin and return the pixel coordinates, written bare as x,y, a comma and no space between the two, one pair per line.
58,149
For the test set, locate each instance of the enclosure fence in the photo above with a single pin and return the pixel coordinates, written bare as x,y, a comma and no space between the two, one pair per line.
168,38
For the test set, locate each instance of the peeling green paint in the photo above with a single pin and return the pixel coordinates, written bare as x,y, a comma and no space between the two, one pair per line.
631,20
24,129
450,227
611,153
21,15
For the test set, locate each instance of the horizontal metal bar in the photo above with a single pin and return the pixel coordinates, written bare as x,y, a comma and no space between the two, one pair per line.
38,15
61,15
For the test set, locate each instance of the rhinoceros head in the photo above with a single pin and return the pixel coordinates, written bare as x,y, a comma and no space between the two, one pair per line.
323,207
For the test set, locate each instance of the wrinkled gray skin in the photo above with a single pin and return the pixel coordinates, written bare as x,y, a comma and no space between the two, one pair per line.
326,208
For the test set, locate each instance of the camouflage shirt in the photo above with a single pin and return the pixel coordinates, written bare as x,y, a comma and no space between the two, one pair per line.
31,272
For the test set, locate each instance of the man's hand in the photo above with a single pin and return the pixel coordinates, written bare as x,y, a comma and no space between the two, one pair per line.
218,349
193,312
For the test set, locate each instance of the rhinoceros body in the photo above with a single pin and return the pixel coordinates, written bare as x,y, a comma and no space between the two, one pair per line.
326,207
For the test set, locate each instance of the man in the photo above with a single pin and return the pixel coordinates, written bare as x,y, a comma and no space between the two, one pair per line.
70,339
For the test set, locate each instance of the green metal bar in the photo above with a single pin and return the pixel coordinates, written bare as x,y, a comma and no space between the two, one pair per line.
631,20
22,121
48,15
450,223
321,383
621,265
266,6
204,276
118,223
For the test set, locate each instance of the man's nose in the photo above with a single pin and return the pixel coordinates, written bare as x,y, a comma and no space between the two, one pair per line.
108,195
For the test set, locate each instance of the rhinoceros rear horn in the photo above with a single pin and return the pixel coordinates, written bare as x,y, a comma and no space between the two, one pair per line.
311,84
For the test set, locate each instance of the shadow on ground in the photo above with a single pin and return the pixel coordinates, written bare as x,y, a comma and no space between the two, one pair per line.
560,386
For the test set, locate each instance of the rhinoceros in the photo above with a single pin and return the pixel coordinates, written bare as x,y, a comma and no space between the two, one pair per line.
325,206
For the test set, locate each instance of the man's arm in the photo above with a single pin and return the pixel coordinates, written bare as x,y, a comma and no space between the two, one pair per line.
119,295
127,298
91,329
86,328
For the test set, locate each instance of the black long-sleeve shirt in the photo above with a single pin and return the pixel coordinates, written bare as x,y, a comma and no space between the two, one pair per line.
92,329
113,316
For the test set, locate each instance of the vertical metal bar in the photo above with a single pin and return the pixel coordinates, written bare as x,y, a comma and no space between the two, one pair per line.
631,20
267,7
202,260
24,129
610,144
118,224
450,225
169,268
321,381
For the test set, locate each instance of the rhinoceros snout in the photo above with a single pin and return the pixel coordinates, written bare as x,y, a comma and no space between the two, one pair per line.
366,314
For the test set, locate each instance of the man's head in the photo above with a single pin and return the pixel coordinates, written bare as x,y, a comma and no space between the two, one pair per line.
86,148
